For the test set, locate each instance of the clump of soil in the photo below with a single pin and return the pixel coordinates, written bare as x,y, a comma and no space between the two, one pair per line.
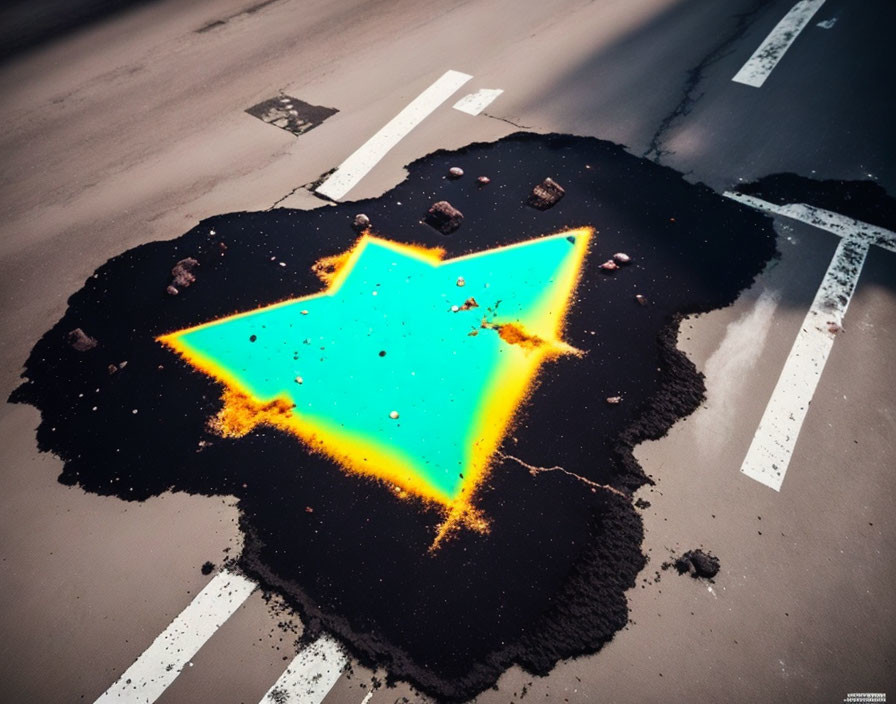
698,564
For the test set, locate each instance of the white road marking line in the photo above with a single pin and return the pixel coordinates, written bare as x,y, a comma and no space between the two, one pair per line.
770,451
311,674
475,103
356,166
367,697
161,663
766,57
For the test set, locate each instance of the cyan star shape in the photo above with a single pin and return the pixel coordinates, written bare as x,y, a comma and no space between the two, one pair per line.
406,367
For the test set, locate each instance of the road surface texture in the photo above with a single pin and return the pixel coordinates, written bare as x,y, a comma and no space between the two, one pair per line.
132,127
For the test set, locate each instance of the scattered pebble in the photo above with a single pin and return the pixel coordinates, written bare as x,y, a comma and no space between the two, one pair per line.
393,415
172,290
461,281
300,380
613,400
609,265
546,194
455,172
622,258
454,309
207,567
483,180
640,299
182,273
444,217
361,222
80,340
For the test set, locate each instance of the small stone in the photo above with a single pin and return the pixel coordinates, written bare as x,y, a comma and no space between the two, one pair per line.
461,281
112,369
613,400
609,265
546,194
622,258
394,415
640,299
454,309
172,290
207,568
300,380
80,340
455,172
483,180
361,222
182,272
304,312
444,217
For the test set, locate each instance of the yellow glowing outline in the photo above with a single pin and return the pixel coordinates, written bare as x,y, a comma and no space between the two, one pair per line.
367,456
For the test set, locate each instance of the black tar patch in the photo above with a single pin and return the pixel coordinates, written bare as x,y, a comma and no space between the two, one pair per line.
549,580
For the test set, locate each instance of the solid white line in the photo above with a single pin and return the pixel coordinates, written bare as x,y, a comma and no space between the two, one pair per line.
770,451
310,675
766,57
475,103
356,166
367,697
161,663
773,444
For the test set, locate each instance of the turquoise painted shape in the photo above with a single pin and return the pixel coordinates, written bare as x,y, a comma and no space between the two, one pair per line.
387,339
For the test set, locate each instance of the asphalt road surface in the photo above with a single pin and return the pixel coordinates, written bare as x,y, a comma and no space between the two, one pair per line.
133,127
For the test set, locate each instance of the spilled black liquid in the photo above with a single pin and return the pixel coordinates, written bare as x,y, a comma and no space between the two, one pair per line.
549,580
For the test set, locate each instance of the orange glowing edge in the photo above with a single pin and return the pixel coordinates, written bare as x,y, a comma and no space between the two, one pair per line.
507,390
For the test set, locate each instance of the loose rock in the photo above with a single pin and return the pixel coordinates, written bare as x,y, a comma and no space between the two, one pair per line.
483,180
361,222
444,217
182,273
455,172
609,265
622,258
613,400
172,290
640,299
546,194
80,340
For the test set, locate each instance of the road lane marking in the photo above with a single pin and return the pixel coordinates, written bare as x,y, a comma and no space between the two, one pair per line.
311,674
358,164
770,52
772,446
475,103
161,663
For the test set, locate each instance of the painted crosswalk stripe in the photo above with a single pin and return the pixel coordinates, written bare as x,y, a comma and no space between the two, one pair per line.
771,51
161,663
310,675
356,166
772,446
475,103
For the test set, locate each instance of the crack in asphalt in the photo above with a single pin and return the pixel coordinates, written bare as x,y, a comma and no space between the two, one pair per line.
534,471
689,99
509,122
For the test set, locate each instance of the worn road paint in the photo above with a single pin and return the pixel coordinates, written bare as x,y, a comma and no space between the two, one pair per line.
475,103
356,166
771,51
161,663
311,674
772,447
399,344
827,24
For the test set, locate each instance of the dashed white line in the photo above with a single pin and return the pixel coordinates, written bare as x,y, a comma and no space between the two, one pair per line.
310,675
766,57
161,663
772,446
358,164
475,103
